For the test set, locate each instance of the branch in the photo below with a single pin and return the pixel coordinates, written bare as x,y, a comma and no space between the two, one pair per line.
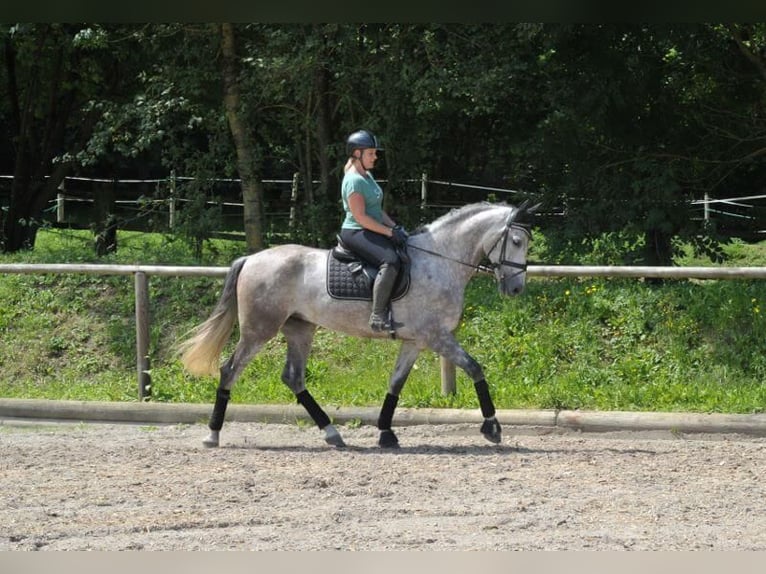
757,61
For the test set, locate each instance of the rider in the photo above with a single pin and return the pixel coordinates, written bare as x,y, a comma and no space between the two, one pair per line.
367,229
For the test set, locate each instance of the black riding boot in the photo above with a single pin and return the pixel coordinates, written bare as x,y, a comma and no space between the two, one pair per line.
381,294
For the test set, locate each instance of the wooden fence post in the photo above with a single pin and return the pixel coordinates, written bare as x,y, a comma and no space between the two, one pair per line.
172,202
142,336
60,202
423,194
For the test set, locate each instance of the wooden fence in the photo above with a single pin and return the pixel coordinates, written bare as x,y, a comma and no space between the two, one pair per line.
141,274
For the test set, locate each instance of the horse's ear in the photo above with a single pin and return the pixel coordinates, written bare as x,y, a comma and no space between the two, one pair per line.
518,213
532,210
515,212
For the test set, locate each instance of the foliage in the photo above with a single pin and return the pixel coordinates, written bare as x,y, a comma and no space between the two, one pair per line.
643,119
616,127
58,80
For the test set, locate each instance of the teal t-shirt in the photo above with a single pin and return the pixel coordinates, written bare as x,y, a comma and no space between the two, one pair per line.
353,182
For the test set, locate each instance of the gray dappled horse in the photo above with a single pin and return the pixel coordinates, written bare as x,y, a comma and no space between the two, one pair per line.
284,289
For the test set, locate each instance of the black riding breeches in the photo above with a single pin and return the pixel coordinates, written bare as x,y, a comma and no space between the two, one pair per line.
374,248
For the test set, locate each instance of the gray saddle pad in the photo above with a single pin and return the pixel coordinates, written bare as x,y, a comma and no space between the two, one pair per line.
343,283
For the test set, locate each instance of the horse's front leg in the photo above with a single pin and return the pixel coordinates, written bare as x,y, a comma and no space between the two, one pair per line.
447,346
408,353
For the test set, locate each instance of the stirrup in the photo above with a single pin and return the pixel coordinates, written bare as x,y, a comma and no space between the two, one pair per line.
380,322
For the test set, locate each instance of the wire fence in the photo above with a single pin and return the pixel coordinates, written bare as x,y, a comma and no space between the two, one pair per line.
139,204
159,200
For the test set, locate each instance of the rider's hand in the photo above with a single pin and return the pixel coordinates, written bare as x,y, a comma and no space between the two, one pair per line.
399,236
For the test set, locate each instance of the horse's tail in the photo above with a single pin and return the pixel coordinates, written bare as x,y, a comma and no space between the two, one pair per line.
201,351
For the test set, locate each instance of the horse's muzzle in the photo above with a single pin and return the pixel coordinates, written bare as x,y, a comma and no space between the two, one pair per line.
512,285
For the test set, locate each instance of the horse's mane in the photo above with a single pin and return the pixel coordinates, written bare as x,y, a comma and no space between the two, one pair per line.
458,214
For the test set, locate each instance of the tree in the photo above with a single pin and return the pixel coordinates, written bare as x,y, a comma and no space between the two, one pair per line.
618,126
638,125
247,161
292,87
53,77
176,118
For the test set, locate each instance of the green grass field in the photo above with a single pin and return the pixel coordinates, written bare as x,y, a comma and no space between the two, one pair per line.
697,346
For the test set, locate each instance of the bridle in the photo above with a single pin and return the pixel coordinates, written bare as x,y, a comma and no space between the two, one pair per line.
502,262
492,267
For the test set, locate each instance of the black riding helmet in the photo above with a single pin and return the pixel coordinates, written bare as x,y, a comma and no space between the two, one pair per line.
361,139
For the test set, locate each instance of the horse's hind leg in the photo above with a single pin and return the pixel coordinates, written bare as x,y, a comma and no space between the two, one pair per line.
299,336
230,372
408,353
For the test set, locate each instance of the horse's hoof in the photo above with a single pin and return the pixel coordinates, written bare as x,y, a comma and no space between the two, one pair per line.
212,440
332,437
388,439
492,431
336,441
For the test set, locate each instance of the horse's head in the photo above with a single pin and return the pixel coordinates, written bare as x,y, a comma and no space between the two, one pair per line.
508,255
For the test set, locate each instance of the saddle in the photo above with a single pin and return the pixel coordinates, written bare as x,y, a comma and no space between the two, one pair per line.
350,277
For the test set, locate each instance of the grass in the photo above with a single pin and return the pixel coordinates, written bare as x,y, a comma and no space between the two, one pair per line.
695,346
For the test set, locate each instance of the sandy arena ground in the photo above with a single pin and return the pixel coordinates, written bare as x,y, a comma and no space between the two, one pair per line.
279,487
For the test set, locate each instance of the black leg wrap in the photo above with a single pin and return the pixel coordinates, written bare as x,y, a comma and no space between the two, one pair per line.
315,411
387,412
485,401
219,410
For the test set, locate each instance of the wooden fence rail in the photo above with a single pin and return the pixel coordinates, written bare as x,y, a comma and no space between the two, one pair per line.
141,275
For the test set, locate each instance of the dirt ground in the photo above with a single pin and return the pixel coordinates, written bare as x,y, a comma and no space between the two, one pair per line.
279,487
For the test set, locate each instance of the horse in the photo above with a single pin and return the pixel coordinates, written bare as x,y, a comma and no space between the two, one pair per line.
284,289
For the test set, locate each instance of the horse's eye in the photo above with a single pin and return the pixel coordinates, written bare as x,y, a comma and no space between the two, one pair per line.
516,240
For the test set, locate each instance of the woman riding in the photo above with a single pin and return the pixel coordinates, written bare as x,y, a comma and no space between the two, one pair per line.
367,229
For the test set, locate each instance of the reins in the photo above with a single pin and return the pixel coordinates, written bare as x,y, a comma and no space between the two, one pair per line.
478,268
487,269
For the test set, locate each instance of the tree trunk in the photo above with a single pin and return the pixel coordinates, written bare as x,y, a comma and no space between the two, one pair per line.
329,188
247,160
105,224
659,248
17,233
37,141
19,229
30,195
324,129
658,252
